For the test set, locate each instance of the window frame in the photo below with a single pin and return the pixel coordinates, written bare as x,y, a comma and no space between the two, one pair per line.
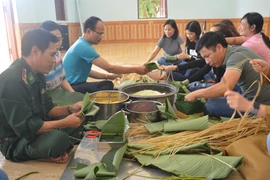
165,11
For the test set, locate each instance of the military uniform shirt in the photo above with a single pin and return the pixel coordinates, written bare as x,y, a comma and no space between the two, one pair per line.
24,102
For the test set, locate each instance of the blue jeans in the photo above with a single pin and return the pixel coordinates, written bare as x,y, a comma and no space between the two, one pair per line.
218,107
209,76
3,175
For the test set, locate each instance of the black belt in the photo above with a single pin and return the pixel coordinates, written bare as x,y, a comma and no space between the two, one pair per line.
3,140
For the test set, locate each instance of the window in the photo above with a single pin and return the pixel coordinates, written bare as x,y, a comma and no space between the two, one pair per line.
148,9
60,10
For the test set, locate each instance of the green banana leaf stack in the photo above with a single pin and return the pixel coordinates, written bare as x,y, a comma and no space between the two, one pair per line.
182,86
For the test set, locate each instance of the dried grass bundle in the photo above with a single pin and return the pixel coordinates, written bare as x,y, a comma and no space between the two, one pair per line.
138,131
218,135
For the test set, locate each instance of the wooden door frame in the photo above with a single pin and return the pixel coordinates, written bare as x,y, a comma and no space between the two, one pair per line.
9,20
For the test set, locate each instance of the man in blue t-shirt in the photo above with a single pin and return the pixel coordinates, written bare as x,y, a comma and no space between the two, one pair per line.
81,55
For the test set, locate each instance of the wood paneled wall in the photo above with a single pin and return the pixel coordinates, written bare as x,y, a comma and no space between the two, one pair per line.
132,31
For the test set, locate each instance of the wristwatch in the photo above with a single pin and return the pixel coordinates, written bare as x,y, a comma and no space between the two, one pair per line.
256,107
69,110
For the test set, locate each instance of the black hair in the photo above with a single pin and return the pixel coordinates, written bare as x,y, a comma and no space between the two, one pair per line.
36,37
50,26
223,29
231,26
174,26
210,39
91,23
193,26
254,18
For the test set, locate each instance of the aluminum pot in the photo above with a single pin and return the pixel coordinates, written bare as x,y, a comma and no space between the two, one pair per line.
143,111
167,90
109,102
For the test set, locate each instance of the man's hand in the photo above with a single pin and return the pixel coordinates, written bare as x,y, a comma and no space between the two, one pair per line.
260,66
113,76
142,70
74,108
191,96
237,101
73,120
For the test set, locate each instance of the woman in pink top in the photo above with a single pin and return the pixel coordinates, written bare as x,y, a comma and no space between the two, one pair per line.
252,35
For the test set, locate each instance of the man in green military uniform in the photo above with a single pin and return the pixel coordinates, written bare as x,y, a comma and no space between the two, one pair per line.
27,128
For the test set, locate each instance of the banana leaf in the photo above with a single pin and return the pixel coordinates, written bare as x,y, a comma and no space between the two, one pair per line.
108,166
190,117
185,125
62,97
169,111
115,125
83,172
88,107
171,59
155,127
113,158
211,167
188,107
151,65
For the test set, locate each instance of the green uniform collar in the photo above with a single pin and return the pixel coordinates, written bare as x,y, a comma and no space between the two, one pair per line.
28,76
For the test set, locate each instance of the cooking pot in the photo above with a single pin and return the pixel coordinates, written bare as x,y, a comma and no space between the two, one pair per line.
143,111
166,90
109,102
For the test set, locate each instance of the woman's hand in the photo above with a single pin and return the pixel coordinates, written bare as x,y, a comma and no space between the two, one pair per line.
183,56
168,68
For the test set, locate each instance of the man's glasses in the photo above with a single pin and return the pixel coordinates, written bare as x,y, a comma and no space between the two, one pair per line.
99,33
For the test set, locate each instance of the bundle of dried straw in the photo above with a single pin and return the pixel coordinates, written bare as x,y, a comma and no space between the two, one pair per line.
218,135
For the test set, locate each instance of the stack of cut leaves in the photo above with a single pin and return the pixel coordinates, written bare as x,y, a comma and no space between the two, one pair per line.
182,86
188,107
88,107
110,162
175,124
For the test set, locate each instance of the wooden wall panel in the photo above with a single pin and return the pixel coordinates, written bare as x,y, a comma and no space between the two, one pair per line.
132,31
126,32
74,32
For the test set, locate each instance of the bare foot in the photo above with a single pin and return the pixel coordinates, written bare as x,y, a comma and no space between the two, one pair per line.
61,160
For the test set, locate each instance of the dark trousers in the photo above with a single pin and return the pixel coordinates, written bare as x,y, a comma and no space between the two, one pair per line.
51,144
91,87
